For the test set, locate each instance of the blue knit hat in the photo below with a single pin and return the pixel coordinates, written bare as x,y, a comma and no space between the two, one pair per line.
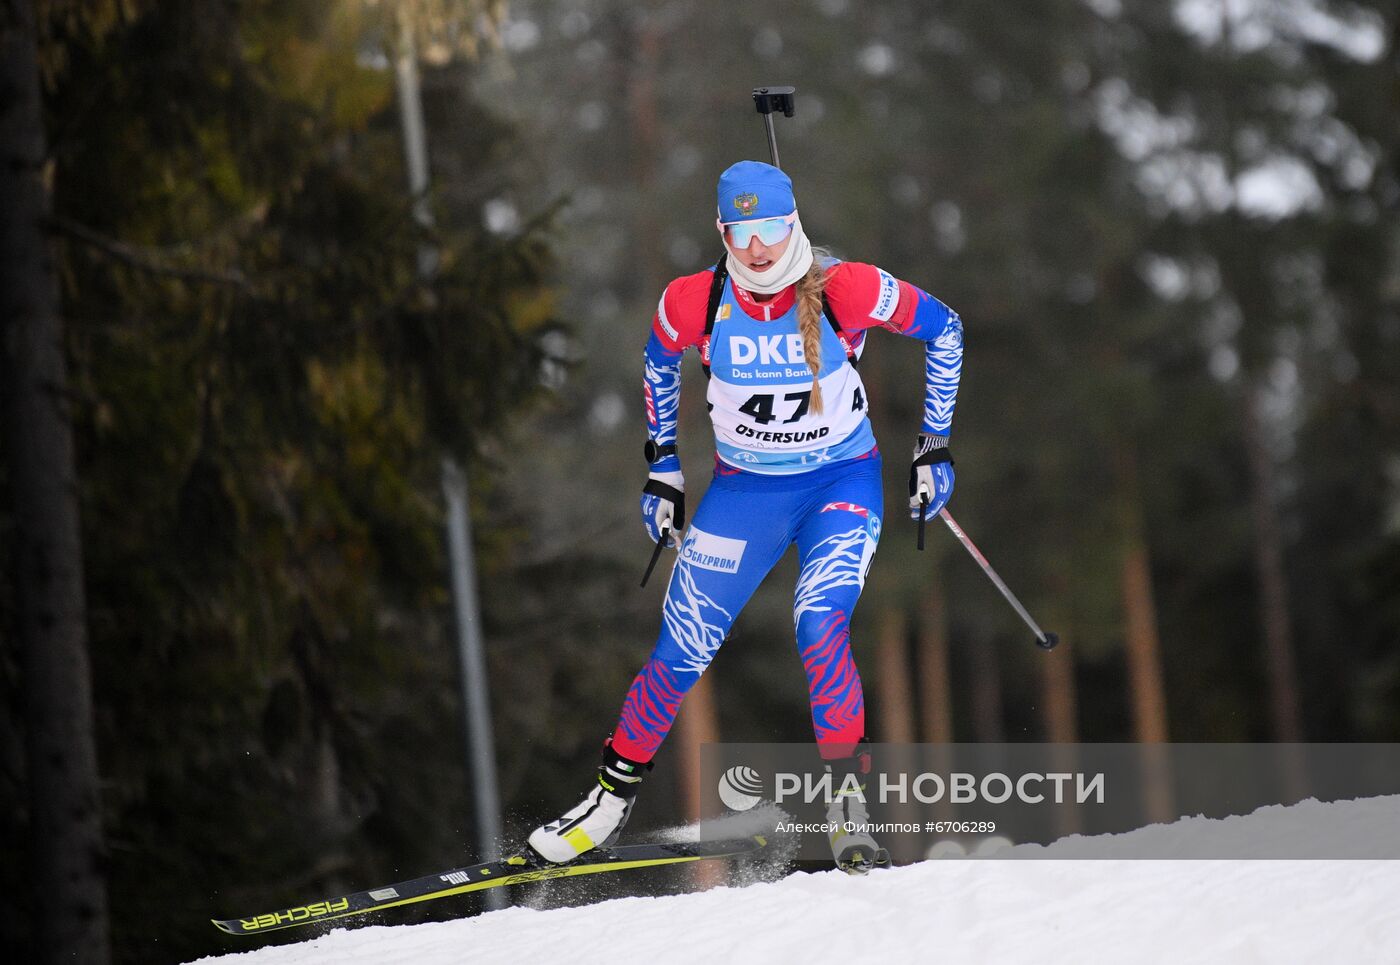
752,189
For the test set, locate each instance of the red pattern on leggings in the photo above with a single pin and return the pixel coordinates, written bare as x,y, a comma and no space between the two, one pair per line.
649,710
838,701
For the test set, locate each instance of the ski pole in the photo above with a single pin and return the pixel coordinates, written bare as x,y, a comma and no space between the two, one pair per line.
768,100
1045,641
656,553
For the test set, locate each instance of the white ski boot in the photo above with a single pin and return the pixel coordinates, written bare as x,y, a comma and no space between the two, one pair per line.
852,846
597,820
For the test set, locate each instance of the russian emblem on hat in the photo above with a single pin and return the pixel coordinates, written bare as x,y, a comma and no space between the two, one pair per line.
751,189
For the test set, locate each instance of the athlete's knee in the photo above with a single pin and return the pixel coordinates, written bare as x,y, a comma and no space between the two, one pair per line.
833,576
821,629
824,642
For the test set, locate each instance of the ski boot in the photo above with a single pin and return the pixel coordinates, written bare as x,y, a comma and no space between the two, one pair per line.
597,820
855,850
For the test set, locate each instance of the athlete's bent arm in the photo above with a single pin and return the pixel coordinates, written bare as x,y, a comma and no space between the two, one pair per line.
865,296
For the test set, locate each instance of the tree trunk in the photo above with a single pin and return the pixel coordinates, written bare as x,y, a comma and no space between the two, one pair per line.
697,725
896,708
936,689
65,809
1144,647
935,680
1060,695
1273,602
892,676
987,726
1061,699
645,123
1252,277
1148,694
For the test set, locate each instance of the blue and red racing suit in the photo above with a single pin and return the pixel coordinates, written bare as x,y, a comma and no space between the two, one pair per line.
784,474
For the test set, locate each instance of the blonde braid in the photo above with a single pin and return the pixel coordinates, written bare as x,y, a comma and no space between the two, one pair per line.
809,323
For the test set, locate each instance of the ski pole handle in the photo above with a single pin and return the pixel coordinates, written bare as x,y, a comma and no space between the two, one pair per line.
656,553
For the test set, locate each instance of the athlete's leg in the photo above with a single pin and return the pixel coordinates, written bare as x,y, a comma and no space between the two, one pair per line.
735,539
836,542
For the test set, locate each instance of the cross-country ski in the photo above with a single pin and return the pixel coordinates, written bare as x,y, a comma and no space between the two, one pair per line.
516,870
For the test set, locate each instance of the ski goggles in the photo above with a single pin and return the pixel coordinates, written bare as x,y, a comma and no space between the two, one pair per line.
769,231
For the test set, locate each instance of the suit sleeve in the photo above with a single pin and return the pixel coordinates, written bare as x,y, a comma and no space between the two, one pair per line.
864,296
677,325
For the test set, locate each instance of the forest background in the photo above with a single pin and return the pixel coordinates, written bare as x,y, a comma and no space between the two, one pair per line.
227,647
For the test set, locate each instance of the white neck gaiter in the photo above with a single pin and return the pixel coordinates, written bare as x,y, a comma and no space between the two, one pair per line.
782,273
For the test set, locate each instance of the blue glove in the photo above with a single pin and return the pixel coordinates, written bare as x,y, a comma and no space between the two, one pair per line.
930,475
663,506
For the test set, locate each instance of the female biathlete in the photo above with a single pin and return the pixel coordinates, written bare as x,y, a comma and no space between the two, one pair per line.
779,329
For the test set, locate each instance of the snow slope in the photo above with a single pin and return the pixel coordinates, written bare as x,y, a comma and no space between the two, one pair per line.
1057,909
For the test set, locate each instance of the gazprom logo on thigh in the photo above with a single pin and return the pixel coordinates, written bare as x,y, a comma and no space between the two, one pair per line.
711,552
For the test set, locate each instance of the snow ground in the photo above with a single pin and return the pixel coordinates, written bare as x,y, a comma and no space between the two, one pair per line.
1048,911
